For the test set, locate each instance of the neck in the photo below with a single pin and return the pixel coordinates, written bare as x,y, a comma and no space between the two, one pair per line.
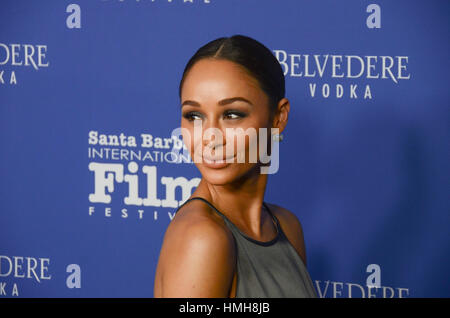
240,201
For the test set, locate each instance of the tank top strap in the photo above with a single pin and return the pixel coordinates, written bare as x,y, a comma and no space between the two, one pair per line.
207,202
235,229
274,218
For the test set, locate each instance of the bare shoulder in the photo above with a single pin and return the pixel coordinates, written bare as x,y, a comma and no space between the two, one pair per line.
292,228
197,256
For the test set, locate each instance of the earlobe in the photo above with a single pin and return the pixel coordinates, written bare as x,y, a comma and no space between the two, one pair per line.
281,118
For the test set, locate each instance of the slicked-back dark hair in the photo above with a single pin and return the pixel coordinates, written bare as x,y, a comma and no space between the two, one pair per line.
252,55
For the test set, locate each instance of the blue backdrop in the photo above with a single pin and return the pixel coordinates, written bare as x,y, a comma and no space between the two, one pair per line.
364,161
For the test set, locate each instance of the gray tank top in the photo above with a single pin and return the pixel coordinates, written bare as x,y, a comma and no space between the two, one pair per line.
270,269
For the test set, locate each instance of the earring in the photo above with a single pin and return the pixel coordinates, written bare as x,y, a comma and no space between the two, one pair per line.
277,137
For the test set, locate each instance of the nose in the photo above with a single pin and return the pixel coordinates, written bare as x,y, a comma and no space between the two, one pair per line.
213,136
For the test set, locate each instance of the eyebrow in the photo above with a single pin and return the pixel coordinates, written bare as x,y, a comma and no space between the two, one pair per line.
223,102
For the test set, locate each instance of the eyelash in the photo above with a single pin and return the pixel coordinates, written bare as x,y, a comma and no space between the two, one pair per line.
189,115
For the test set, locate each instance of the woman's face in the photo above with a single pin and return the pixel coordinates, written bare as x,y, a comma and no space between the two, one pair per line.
220,94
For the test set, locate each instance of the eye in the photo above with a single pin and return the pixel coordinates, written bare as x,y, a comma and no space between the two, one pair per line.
191,116
234,115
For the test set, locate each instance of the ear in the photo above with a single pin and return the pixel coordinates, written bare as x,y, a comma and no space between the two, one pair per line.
281,115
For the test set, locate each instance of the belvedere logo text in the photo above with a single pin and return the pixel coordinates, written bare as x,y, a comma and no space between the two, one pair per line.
372,289
13,56
19,267
343,68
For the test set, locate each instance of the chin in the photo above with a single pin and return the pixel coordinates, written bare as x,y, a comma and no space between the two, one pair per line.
230,174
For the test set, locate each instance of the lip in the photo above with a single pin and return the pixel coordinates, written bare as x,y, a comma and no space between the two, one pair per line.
216,164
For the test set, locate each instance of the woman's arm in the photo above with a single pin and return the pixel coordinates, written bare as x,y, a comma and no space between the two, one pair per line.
197,259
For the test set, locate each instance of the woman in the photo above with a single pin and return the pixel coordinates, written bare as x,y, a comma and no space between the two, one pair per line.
225,241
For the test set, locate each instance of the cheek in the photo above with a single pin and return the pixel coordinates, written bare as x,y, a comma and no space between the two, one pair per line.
191,140
187,137
244,144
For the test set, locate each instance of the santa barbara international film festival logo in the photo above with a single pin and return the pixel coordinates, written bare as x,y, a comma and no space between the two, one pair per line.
163,1
119,160
15,56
